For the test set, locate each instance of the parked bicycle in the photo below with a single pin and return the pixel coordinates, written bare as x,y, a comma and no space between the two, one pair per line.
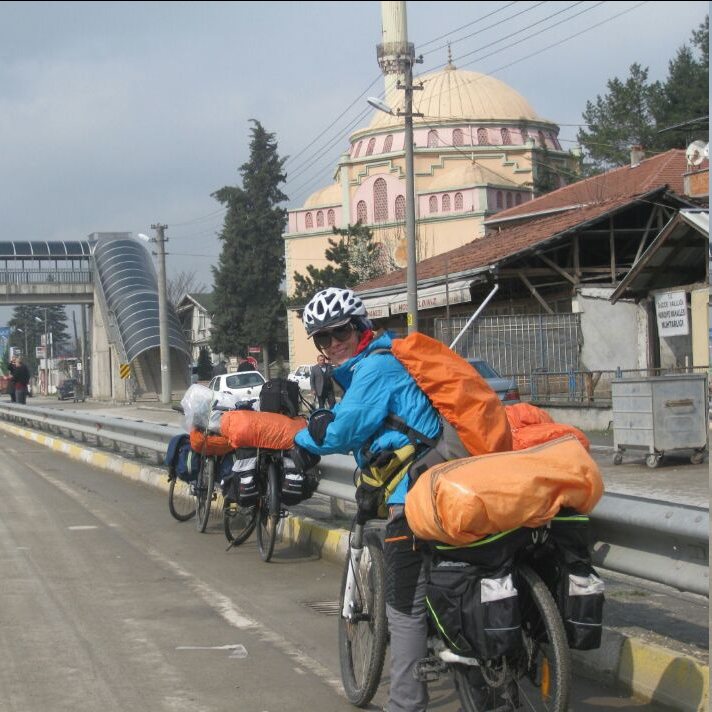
536,676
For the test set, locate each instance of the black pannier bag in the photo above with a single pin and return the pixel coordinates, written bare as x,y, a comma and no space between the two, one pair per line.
472,597
565,566
183,462
296,485
240,484
280,395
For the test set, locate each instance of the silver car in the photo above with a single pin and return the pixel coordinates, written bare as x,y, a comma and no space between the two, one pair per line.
505,388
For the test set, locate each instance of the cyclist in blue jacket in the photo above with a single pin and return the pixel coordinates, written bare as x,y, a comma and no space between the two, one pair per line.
376,385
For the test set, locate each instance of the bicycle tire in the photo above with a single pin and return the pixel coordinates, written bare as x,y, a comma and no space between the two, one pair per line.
362,642
268,513
204,492
180,500
239,522
540,673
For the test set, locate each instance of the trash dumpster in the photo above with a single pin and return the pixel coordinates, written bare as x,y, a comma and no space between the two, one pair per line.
660,414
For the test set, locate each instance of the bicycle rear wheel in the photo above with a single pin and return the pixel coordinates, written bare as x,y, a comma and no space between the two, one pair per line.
239,522
180,500
268,513
538,676
362,639
204,488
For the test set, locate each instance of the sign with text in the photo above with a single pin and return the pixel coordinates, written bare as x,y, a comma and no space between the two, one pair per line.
40,352
254,349
671,310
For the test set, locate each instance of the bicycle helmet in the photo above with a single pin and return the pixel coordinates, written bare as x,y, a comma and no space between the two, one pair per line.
332,307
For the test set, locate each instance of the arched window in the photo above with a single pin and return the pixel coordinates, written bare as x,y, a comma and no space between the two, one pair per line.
432,138
371,146
320,219
458,138
518,199
309,221
380,201
459,202
433,204
400,207
361,214
388,144
330,218
446,203
525,135
358,149
542,140
506,138
509,200
500,203
482,139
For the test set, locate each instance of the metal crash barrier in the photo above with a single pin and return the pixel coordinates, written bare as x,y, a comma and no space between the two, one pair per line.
656,541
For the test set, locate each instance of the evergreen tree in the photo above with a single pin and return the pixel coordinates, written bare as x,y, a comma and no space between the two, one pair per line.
354,258
28,329
249,306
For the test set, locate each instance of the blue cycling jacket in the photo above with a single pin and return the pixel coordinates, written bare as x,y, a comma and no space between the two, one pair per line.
375,385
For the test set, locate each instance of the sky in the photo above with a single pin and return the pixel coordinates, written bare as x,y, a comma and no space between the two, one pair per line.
118,115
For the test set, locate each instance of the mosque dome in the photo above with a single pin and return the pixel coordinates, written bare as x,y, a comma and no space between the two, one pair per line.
331,195
456,95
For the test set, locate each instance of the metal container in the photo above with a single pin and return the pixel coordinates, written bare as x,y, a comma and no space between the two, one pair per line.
660,414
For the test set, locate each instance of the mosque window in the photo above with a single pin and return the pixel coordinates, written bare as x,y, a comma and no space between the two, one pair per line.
361,214
458,138
320,219
482,139
500,203
309,221
400,207
555,141
330,218
459,203
446,203
518,199
506,138
388,144
432,138
380,201
525,135
358,149
371,146
433,204
542,140
509,200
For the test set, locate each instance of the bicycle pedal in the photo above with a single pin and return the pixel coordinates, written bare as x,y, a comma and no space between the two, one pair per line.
429,669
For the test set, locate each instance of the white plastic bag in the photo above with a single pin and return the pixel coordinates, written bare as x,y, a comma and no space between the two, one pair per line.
196,407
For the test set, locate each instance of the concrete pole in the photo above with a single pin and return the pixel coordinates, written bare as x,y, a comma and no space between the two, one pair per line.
412,257
163,314
46,354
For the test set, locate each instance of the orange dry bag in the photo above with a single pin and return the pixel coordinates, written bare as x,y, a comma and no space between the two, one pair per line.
249,428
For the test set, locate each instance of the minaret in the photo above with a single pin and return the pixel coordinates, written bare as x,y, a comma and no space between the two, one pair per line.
394,50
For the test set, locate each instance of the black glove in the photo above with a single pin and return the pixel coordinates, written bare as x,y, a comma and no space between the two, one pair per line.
368,500
303,459
319,421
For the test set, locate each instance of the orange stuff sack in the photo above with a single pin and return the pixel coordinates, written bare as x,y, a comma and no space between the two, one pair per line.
458,392
462,501
250,428
214,444
532,426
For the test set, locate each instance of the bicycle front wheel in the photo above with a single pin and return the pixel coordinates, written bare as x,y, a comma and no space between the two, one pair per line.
239,522
204,488
538,676
363,638
269,513
180,500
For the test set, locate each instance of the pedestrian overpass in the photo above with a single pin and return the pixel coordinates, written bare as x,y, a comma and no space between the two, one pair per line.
112,278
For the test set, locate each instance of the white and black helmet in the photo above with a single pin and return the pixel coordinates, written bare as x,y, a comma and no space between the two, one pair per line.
332,307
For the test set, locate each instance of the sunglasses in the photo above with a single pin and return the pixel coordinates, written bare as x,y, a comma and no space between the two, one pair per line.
322,340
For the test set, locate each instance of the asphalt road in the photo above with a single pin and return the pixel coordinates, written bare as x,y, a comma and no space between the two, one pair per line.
107,603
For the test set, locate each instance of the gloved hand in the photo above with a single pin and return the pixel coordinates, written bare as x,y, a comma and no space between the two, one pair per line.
303,459
319,421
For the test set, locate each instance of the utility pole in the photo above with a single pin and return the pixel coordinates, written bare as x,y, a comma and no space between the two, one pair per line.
163,313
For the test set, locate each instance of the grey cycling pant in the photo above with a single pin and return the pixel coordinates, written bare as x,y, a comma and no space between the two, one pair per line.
407,617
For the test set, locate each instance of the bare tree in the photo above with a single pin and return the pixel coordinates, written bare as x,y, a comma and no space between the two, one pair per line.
177,287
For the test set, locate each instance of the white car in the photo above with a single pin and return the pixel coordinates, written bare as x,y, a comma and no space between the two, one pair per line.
246,385
301,376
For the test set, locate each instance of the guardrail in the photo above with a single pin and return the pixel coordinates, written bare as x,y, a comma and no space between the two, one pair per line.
663,542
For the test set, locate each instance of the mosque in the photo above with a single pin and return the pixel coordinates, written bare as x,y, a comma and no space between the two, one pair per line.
480,147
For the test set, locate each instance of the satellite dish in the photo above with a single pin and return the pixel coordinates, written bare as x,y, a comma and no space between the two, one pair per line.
376,103
696,152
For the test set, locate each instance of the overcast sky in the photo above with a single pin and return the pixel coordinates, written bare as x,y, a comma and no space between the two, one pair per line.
117,115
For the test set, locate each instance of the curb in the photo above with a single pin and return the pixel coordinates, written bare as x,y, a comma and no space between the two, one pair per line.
649,671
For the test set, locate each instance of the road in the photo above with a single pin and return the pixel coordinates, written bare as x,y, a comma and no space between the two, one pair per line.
106,603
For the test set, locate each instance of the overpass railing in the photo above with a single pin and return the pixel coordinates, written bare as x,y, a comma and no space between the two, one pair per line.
662,542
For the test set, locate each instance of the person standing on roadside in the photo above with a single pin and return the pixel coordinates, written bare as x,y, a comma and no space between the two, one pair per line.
21,376
322,387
